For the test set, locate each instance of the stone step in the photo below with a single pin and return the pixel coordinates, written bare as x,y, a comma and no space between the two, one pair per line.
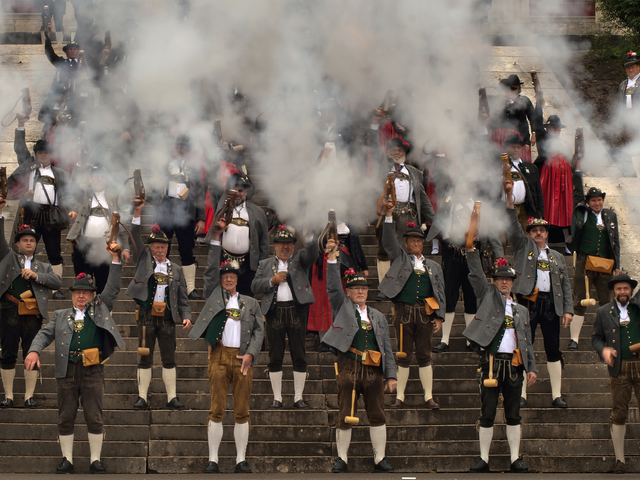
47,464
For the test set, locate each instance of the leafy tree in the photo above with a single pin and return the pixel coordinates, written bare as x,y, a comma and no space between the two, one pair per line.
621,14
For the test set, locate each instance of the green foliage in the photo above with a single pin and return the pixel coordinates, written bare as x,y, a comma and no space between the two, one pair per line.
621,14
607,47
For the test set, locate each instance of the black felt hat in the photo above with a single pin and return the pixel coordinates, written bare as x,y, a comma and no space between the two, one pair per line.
537,222
554,121
42,146
184,141
26,230
230,267
631,59
157,235
70,45
83,282
622,277
514,81
285,235
502,268
240,179
398,142
413,231
594,192
354,279
97,169
514,139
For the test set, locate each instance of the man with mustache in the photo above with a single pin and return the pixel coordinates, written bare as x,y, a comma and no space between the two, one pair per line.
616,338
594,233
543,287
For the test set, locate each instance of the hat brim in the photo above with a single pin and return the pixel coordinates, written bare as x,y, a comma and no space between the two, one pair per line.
285,240
547,125
236,272
82,287
413,234
19,235
157,240
601,194
529,227
630,281
357,283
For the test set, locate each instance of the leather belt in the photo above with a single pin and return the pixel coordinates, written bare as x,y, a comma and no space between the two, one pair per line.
357,352
11,298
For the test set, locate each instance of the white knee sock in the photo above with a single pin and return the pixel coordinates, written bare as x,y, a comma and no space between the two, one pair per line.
446,326
190,277
298,384
57,269
144,379
435,246
7,381
241,436
214,434
617,435
379,442
468,317
95,446
524,389
486,435
276,385
30,380
343,439
403,376
576,326
513,437
426,378
66,446
555,378
169,379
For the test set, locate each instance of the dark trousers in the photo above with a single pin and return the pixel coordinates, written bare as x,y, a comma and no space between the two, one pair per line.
621,386
509,383
172,217
14,329
542,312
456,276
599,280
98,270
417,331
82,384
52,244
164,330
369,384
288,319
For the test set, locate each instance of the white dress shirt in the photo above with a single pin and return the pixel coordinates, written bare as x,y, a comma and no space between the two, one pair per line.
624,313
543,277
39,188
160,289
364,317
284,292
236,238
519,190
404,189
231,333
418,263
509,343
599,222
96,226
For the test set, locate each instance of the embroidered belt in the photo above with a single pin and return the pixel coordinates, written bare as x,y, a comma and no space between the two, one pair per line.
241,222
46,180
233,313
161,278
97,212
543,265
509,322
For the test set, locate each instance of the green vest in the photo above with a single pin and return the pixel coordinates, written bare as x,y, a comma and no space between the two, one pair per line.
18,286
152,284
364,339
497,340
215,328
85,336
417,288
630,334
594,241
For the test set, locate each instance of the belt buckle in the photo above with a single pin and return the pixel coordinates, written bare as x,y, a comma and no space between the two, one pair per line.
364,356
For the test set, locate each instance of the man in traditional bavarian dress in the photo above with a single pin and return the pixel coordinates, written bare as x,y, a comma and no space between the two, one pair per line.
246,239
543,287
92,228
595,238
419,301
504,342
628,92
24,291
43,192
284,282
181,211
160,290
616,338
85,337
412,205
360,338
233,326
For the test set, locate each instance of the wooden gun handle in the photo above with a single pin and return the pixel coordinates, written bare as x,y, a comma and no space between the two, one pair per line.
115,228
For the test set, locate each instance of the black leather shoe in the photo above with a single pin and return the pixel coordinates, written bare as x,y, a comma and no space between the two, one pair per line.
518,467
440,348
30,403
480,467
340,466
194,296
620,467
97,467
573,345
275,405
6,403
212,467
383,466
65,466
174,404
242,467
301,404
523,402
469,348
559,402
58,295
141,404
